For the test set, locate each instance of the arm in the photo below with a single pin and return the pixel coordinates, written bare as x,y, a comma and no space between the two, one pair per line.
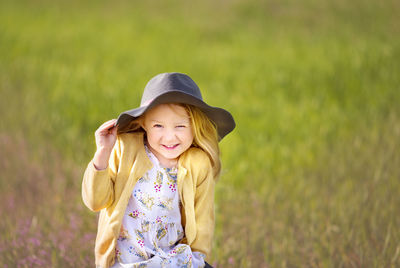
99,177
204,211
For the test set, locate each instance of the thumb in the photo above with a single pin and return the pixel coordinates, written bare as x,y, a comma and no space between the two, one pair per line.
114,130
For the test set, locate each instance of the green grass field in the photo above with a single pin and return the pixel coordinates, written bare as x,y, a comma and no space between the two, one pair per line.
311,174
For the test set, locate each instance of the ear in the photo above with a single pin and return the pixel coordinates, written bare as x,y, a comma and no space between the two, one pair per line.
142,124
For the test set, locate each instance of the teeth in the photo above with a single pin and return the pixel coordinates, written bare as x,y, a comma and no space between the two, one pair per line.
172,146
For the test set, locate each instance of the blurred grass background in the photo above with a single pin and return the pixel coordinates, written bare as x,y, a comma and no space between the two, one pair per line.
311,173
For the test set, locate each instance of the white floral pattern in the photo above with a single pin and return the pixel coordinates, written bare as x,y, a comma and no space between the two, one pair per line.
151,227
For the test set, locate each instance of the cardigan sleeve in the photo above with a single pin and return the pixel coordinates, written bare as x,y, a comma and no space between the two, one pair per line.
98,185
204,210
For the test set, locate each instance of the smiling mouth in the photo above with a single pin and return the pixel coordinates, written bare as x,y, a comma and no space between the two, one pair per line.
170,147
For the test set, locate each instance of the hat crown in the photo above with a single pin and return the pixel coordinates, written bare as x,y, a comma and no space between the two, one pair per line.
166,82
176,88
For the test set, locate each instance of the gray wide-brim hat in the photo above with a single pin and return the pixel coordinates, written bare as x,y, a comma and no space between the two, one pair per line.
177,88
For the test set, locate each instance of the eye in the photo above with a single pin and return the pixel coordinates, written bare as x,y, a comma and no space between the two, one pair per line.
180,126
157,126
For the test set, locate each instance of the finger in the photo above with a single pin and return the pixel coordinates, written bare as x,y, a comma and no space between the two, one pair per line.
113,130
107,125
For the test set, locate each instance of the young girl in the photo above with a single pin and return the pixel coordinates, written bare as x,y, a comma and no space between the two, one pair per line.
152,178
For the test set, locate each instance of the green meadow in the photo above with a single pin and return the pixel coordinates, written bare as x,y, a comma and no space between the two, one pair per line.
311,174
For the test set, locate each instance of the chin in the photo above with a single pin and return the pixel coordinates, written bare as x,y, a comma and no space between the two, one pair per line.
172,156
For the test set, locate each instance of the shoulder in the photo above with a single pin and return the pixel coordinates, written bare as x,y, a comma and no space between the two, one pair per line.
128,143
197,154
129,139
196,160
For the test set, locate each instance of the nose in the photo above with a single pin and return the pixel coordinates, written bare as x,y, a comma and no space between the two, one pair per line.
169,135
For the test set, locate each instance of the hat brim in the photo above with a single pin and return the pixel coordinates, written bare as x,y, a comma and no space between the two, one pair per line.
222,118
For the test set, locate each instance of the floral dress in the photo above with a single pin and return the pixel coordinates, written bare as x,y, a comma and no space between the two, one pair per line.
151,227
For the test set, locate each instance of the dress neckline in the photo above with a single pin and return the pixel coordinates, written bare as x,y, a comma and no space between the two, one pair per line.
156,162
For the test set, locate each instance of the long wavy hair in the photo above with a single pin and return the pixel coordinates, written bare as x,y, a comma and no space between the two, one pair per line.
205,136
204,132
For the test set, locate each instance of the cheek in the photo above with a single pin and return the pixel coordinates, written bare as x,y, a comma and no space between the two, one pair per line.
191,133
189,137
152,136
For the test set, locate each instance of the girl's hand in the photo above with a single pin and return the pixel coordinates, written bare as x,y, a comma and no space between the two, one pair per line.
106,136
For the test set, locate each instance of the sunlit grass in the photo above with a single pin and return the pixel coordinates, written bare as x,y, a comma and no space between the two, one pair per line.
310,175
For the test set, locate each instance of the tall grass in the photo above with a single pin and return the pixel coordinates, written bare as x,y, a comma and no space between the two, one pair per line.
310,175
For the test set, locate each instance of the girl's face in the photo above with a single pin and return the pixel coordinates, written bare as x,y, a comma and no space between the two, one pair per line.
169,132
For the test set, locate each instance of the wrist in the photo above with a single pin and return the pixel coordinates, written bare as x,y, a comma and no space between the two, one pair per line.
100,159
103,150
99,167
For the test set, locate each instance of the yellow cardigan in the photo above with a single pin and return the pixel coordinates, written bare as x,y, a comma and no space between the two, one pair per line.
109,190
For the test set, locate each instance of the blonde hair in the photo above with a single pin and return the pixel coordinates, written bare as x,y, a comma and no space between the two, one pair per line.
134,126
205,136
204,132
